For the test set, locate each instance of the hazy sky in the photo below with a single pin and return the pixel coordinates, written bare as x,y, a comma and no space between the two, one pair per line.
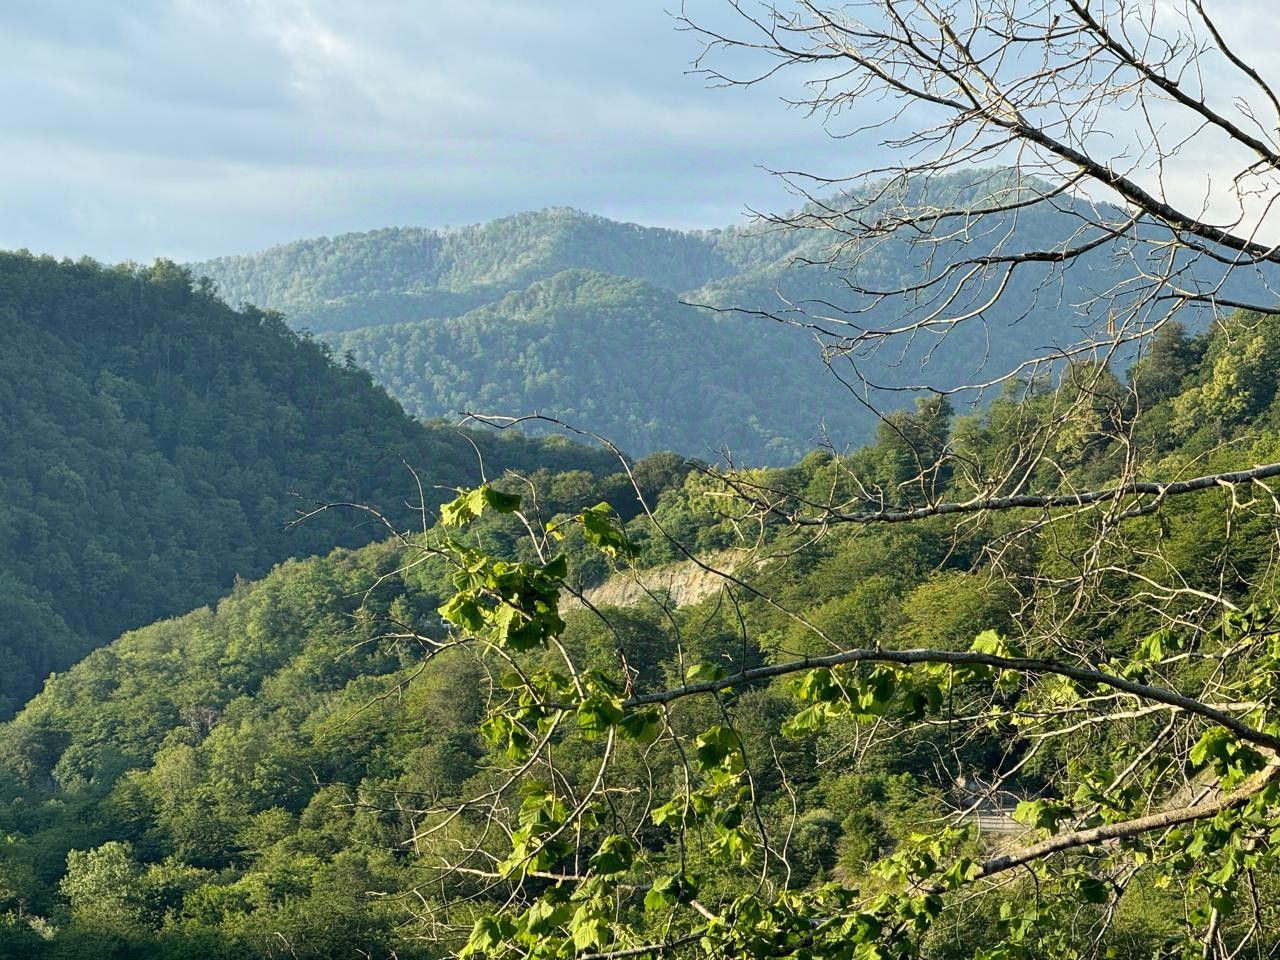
191,128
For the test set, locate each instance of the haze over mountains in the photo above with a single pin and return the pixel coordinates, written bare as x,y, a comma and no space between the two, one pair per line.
572,315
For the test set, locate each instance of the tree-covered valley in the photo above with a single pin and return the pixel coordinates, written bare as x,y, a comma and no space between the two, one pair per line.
283,774
893,574
704,342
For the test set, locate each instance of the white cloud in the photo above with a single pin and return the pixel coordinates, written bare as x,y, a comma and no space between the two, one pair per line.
188,128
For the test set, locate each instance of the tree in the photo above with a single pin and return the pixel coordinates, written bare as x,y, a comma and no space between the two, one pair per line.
1130,697
103,887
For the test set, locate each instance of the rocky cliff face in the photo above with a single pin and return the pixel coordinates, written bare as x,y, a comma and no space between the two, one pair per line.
684,583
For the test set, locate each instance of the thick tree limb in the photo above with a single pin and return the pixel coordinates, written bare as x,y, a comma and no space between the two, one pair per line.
971,658
1039,501
1131,828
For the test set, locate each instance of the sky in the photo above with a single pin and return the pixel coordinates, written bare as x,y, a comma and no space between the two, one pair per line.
196,128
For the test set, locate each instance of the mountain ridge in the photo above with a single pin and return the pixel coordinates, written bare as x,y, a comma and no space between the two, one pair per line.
154,443
440,318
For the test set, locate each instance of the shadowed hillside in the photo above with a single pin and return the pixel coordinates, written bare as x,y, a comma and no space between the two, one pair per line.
575,316
154,443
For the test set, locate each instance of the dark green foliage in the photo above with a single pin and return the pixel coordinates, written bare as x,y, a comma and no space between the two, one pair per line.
621,357
253,774
574,316
154,443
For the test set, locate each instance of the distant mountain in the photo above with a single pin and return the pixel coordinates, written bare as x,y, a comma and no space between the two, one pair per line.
519,315
152,441
386,276
620,356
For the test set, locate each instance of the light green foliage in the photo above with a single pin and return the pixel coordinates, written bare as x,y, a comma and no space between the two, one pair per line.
293,767
1235,386
1235,382
103,888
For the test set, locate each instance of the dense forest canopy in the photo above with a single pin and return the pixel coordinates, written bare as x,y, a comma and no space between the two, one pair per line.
1000,683
155,443
280,769
357,280
591,321
622,357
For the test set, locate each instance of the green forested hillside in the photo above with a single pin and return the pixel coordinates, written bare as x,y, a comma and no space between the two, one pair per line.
622,356
154,443
272,777
501,318
387,276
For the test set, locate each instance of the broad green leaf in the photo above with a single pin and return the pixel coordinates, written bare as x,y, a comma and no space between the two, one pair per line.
642,726
597,714
704,673
463,611
602,529
487,934
614,856
714,745
470,504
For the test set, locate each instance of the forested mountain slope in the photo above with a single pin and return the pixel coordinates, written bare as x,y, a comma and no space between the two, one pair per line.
154,443
259,772
501,318
622,357
386,276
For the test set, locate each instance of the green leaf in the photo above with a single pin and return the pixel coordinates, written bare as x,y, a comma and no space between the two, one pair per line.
669,889
1155,646
818,685
1041,814
660,815
545,916
917,702
488,933
470,504
642,726
557,568
876,692
1093,889
990,642
733,844
597,714
731,817
1213,746
615,855
808,721
960,873
503,731
590,931
464,611
714,745
498,501
604,531
704,673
